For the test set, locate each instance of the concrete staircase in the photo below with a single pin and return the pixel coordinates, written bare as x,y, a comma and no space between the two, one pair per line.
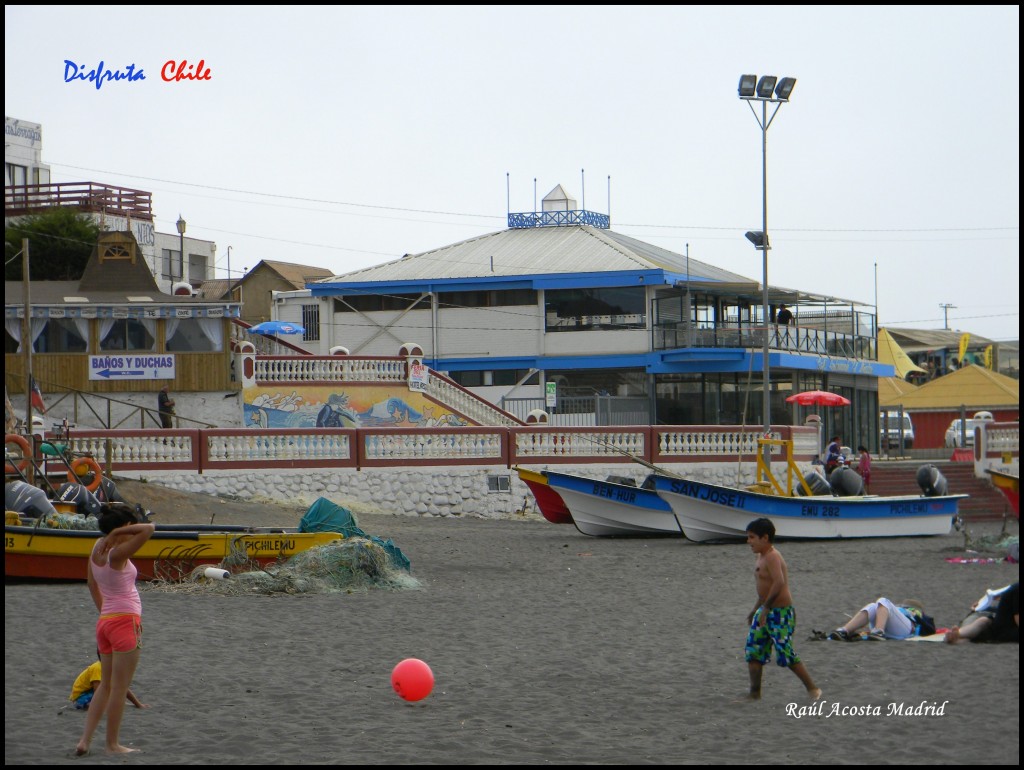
986,503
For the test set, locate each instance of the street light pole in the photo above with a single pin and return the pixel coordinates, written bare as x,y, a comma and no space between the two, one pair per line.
753,90
180,224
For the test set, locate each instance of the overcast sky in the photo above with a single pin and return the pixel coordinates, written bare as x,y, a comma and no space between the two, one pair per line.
347,137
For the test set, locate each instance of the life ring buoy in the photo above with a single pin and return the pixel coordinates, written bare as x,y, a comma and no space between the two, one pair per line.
26,452
91,466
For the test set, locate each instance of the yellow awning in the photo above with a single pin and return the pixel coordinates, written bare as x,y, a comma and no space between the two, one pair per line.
889,352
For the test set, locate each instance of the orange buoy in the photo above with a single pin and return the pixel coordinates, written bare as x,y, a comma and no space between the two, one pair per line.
91,466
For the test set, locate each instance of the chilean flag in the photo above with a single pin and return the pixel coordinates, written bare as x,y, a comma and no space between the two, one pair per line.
37,397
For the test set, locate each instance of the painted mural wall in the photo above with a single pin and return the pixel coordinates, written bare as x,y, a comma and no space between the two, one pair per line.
337,406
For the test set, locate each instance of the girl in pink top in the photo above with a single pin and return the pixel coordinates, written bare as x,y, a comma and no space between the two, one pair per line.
111,578
864,467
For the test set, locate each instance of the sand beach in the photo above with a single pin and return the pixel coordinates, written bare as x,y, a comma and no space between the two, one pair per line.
548,647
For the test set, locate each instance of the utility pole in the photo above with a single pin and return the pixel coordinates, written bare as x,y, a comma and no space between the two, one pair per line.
946,306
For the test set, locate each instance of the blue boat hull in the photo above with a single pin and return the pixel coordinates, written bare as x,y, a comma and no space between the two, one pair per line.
607,509
712,512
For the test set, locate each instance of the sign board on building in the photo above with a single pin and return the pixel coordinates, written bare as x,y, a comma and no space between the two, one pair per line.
550,394
132,366
418,374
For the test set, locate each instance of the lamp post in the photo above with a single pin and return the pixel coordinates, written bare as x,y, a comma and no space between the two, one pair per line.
180,224
753,90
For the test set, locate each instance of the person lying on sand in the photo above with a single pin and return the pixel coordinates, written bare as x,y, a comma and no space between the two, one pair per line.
1003,625
884,619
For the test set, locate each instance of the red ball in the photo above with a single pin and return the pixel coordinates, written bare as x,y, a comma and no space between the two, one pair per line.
412,679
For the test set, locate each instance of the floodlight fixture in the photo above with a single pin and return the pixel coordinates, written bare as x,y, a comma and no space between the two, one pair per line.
765,86
784,88
756,237
747,84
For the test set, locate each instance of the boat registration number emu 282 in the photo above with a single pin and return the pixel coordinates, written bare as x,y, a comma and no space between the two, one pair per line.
726,497
824,511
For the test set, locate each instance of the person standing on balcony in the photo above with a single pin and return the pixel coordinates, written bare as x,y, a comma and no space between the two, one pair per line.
784,316
165,406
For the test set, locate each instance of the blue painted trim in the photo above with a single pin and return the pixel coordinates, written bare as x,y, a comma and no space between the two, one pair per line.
683,360
607,279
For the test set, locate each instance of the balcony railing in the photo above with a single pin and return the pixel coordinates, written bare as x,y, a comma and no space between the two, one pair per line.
22,199
793,338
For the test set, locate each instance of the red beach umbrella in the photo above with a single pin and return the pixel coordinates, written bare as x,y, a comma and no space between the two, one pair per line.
818,398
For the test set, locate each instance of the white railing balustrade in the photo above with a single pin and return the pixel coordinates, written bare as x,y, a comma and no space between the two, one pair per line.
440,446
702,442
473,407
549,442
138,448
328,369
247,447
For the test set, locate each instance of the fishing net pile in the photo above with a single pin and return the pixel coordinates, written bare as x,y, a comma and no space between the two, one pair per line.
69,521
342,566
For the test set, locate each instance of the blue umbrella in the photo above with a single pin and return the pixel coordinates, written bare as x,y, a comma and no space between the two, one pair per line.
277,327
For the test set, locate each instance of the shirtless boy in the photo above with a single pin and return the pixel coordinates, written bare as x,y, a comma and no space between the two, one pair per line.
773,619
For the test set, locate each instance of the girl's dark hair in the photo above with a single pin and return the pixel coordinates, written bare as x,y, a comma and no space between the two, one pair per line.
862,448
115,515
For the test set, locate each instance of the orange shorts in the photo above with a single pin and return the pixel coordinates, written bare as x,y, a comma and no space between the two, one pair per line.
118,633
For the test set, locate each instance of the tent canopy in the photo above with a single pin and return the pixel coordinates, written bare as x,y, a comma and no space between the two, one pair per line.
889,352
972,386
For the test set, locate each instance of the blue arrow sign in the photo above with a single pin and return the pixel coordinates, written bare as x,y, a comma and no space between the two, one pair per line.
109,373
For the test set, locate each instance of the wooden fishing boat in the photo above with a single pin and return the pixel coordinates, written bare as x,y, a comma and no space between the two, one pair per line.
610,509
1009,484
170,554
712,512
549,502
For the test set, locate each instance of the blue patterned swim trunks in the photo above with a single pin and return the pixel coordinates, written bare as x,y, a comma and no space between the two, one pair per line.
777,630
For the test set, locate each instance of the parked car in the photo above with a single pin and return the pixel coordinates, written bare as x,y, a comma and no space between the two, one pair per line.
891,430
954,436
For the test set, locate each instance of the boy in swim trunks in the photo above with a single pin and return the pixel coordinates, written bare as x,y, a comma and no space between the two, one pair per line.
773,619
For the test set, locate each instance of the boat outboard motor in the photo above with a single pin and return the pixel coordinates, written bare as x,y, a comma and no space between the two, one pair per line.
932,483
107,492
77,494
27,499
817,483
846,482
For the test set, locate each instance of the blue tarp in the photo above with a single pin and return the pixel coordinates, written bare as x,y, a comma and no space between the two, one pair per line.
327,516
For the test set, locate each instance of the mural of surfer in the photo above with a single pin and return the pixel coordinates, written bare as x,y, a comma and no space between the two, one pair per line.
335,413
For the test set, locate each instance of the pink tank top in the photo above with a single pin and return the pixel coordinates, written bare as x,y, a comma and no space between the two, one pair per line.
117,587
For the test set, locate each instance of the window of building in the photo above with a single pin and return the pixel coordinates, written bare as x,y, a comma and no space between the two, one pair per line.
172,264
311,323
188,337
586,309
127,334
495,298
501,483
369,303
61,335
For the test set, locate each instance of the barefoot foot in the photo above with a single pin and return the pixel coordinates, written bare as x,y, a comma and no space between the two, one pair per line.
119,749
952,635
815,693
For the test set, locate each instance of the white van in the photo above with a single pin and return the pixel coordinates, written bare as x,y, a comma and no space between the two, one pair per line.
891,430
953,432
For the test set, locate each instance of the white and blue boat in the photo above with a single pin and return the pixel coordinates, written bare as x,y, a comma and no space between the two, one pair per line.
611,509
707,512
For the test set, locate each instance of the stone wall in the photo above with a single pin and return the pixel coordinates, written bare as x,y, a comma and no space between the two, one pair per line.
427,491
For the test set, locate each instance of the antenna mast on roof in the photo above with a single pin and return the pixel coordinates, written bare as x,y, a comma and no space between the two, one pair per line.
583,191
609,199
508,199
535,193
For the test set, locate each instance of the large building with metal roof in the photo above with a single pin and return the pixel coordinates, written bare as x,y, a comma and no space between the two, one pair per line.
560,298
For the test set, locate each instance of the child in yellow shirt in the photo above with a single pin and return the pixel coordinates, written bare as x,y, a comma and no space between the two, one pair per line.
85,687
